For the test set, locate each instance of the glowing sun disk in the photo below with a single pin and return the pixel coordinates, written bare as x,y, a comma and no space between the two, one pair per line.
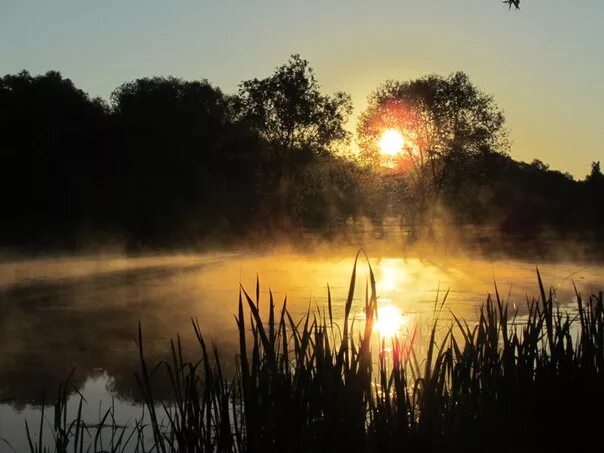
391,142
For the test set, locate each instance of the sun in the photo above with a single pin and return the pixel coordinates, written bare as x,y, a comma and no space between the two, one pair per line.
391,142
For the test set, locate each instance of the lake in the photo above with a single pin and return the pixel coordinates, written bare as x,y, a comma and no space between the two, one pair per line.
82,313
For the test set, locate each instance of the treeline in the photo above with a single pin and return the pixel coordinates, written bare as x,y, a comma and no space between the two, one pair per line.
168,162
528,199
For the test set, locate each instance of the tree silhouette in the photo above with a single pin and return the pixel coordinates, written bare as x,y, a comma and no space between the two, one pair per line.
176,163
180,147
301,124
288,109
595,176
50,137
444,120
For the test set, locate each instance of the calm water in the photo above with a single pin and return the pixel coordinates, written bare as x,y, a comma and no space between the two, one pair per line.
60,314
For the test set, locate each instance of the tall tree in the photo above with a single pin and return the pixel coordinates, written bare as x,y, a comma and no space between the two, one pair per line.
444,120
49,151
288,109
299,123
180,150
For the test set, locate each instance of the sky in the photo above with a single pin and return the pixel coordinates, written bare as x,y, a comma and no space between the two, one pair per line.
544,64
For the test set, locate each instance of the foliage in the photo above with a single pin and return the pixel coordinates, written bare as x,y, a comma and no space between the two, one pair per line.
443,120
50,132
180,149
174,163
596,176
168,162
288,109
302,126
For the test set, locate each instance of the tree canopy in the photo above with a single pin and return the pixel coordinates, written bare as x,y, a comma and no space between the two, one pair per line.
170,162
442,119
289,110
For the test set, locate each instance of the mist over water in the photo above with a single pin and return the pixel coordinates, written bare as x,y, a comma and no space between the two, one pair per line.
82,313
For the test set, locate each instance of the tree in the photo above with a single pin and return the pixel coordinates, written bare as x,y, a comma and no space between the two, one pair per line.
180,153
444,121
288,109
539,165
50,148
595,176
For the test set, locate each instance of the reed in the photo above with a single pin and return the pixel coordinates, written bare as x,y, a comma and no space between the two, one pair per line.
503,383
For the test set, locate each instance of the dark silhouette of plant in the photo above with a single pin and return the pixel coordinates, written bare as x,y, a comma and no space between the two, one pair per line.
596,175
512,3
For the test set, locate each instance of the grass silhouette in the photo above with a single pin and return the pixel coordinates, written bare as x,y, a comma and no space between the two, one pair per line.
503,383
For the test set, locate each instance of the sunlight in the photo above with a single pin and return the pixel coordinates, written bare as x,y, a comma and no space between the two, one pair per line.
390,321
391,274
391,142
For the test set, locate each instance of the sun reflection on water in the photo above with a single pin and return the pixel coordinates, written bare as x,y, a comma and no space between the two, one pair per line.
390,321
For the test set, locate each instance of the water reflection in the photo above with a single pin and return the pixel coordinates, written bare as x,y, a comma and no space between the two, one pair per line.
390,322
